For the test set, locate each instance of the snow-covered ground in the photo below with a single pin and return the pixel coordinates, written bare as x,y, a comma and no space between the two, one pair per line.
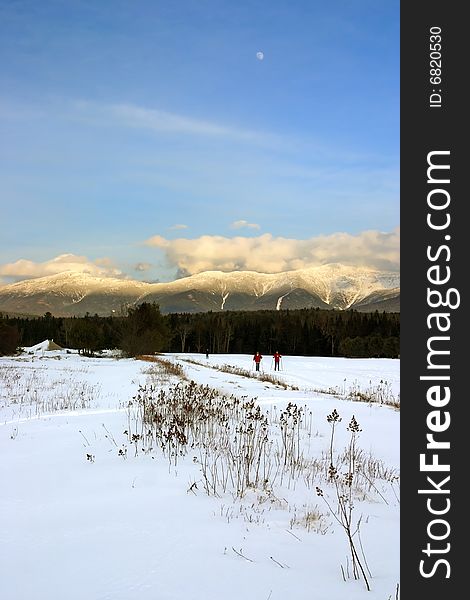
83,521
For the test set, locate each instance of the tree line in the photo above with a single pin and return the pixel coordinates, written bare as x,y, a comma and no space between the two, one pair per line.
305,332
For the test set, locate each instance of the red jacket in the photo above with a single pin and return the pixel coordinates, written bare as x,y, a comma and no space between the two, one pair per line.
277,356
257,358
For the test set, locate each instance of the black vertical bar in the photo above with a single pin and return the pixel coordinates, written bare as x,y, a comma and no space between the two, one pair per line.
433,119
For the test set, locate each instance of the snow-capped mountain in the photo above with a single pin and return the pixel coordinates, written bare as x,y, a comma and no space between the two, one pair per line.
329,286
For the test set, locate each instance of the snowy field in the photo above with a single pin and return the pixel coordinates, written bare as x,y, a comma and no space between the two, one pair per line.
90,509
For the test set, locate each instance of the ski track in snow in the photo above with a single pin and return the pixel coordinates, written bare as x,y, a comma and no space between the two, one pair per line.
67,414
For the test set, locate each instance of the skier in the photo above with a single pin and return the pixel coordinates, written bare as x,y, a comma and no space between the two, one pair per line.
277,359
257,358
207,352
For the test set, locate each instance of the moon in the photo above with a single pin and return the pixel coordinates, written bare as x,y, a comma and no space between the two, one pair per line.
260,55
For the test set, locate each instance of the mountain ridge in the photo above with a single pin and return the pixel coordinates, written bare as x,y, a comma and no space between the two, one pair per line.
328,286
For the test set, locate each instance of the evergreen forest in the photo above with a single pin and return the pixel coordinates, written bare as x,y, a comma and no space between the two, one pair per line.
144,330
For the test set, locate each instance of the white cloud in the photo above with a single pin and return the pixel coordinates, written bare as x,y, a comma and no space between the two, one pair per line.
270,254
28,269
243,223
161,121
178,226
142,266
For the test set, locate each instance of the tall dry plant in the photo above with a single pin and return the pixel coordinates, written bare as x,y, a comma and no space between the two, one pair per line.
343,485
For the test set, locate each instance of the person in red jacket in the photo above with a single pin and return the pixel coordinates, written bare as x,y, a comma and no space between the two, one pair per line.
257,358
277,359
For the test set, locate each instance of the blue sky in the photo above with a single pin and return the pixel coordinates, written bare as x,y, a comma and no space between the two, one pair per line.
123,121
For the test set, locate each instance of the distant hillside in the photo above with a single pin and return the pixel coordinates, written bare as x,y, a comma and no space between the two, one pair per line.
329,286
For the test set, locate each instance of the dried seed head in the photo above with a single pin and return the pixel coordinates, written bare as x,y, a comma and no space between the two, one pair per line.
333,417
332,472
354,426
